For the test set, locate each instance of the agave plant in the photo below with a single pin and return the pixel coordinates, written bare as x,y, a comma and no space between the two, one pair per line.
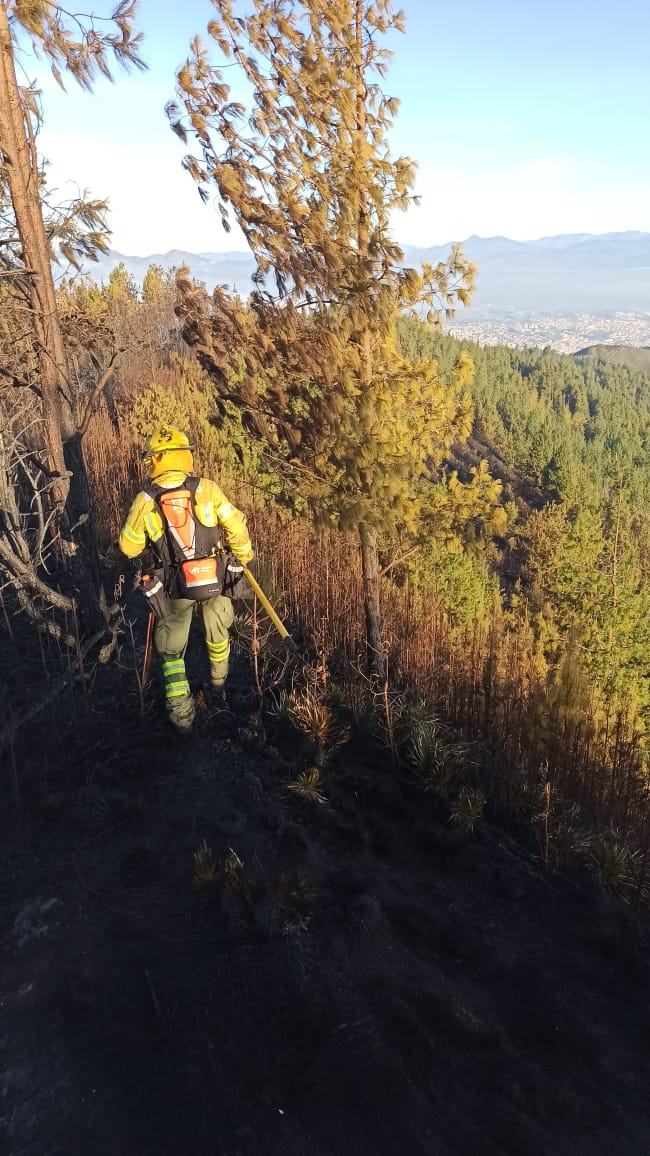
467,809
281,706
569,834
205,869
242,629
316,721
313,718
233,870
431,757
338,694
528,798
307,785
617,864
411,718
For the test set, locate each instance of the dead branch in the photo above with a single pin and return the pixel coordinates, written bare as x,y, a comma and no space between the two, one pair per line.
398,561
22,575
43,624
97,391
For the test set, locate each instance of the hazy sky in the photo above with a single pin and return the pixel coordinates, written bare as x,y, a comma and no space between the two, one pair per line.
525,120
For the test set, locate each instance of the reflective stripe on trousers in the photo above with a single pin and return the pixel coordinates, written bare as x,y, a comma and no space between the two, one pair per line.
218,651
176,683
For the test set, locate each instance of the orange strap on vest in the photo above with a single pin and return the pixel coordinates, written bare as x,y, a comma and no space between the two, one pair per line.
178,511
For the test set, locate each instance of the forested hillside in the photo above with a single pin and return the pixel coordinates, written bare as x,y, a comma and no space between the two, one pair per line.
569,439
388,888
517,605
478,816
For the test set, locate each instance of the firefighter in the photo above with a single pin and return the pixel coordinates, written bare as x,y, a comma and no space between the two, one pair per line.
182,518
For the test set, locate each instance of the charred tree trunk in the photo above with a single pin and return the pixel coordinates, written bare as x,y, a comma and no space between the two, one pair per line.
367,534
370,573
21,171
69,492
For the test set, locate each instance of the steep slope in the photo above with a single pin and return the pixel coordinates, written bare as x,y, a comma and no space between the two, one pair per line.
358,979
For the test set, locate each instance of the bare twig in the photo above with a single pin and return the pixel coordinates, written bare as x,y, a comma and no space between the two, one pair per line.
96,393
398,561
22,574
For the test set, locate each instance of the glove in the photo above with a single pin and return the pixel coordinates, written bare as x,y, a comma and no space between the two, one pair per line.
234,583
248,592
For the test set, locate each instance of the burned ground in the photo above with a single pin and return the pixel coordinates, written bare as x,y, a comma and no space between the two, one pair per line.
356,979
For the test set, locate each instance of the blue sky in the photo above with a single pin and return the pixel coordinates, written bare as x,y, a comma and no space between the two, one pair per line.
525,120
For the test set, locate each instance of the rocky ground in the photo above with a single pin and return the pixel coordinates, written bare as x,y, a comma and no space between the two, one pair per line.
357,979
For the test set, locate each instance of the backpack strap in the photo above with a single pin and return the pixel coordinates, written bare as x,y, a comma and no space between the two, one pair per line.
201,541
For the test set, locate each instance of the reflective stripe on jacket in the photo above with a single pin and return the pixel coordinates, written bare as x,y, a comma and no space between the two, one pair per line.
212,509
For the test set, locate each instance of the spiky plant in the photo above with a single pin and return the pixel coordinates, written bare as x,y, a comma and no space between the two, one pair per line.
307,785
281,707
242,630
410,718
205,869
313,718
617,865
316,721
467,809
233,870
255,722
338,694
295,924
569,834
431,758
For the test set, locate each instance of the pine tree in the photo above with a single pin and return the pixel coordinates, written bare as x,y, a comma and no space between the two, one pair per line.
307,173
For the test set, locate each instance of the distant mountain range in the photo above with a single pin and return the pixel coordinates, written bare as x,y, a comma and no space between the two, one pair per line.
571,274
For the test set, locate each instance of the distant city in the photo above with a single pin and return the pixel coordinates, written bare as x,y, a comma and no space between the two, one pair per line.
564,334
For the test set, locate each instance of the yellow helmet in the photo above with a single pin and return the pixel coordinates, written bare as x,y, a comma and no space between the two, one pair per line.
164,439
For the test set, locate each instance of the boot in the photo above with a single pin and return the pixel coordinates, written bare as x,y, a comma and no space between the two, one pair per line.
180,711
180,704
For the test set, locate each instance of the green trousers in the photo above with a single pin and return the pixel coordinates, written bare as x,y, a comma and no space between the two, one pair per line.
170,640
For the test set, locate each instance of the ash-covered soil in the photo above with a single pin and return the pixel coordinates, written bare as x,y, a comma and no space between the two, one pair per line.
357,980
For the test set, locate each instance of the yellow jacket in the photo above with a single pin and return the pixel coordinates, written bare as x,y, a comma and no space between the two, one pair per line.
212,509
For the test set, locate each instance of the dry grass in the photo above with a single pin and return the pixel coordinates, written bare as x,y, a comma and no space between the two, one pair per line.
484,681
114,471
